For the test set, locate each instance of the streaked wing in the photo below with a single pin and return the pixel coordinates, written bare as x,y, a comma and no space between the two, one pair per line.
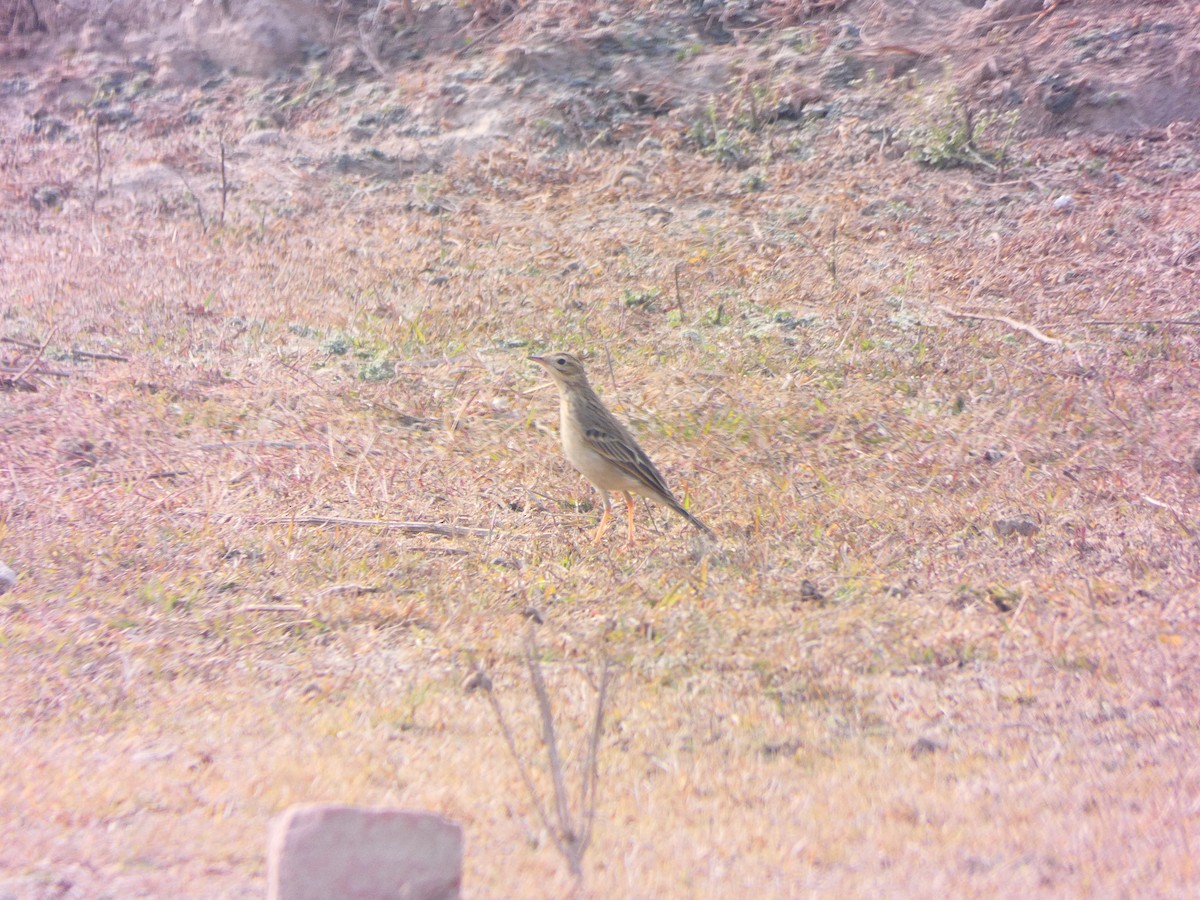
618,447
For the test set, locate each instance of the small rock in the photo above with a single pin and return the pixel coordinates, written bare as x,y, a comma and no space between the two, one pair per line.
78,452
319,851
989,71
1058,95
48,196
1003,599
843,72
1065,203
782,748
118,114
926,746
477,681
1022,525
262,136
8,579
810,593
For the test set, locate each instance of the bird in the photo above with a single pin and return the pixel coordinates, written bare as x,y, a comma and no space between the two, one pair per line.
601,448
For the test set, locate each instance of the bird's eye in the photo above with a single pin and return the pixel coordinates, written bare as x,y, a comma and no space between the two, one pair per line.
561,361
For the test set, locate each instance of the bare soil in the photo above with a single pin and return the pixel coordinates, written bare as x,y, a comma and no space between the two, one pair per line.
902,298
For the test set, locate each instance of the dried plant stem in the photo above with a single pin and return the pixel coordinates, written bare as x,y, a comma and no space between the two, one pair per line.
389,524
75,351
474,44
195,200
1005,320
406,527
530,788
91,354
224,183
1192,322
99,159
20,376
1179,517
571,838
829,259
679,295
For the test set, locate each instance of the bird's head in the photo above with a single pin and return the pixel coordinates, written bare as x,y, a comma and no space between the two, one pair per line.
565,369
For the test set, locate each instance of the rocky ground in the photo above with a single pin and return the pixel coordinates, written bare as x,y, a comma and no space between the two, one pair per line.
299,93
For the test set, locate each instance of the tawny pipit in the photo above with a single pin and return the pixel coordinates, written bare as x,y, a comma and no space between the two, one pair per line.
600,447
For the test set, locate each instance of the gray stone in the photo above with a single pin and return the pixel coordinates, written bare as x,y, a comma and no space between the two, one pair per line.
1023,525
319,851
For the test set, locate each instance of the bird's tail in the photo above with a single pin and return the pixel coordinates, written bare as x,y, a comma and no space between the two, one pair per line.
678,507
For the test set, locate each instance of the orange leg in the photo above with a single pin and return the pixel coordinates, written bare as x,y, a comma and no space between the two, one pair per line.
603,520
630,502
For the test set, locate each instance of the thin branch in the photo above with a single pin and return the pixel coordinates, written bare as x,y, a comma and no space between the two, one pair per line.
224,183
1175,513
99,159
1011,323
36,359
473,44
195,199
679,294
259,442
75,351
591,771
486,683
550,739
90,354
13,370
1142,322
388,524
829,261
366,44
572,842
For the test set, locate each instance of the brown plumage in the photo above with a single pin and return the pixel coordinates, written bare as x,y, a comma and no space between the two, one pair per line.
601,448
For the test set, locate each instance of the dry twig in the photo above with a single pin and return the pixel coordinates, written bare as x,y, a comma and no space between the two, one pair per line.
679,294
474,44
91,354
1142,322
570,837
1180,520
18,380
320,521
1005,320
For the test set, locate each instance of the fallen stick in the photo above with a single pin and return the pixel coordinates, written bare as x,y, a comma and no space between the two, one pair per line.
1179,517
1142,322
75,351
1011,323
20,376
318,521
89,354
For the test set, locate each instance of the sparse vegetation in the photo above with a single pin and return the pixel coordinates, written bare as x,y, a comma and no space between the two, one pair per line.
958,137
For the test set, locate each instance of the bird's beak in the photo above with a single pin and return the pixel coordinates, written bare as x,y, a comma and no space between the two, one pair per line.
537,359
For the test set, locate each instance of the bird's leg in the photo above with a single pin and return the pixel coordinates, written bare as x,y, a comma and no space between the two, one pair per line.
603,518
630,502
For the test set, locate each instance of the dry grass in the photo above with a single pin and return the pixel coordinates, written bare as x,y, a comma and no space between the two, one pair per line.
951,711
